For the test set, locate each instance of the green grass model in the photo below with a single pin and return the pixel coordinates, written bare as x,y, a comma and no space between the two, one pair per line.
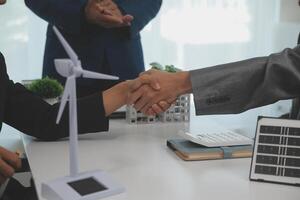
167,68
46,88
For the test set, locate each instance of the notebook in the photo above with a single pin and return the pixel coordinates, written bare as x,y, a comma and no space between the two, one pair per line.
190,151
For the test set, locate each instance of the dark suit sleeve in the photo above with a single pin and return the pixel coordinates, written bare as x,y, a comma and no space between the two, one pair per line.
143,12
31,115
66,14
240,86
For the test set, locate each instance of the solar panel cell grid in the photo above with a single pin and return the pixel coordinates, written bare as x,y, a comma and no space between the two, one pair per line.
270,129
277,151
268,149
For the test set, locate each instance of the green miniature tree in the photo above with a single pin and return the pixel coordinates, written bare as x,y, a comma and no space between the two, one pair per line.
46,88
170,68
167,68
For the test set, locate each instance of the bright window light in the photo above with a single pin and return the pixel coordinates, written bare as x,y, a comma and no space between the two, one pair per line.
207,22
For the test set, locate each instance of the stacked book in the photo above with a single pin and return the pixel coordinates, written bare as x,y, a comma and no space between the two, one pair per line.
211,146
190,151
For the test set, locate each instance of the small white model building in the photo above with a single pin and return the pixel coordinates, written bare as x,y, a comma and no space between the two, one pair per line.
178,112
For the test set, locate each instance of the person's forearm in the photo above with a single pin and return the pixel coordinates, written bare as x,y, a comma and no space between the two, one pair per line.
115,97
236,87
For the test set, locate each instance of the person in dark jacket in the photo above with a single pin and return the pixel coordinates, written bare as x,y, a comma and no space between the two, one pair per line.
104,33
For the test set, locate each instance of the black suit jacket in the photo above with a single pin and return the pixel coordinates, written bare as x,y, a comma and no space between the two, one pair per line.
31,115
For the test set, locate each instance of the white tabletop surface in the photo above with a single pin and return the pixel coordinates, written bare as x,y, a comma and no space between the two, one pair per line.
137,156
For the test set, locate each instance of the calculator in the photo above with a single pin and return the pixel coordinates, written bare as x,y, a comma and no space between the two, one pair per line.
226,138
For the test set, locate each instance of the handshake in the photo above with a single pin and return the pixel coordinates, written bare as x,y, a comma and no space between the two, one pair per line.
154,91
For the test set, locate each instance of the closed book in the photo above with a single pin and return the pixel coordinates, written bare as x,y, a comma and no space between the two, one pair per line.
189,151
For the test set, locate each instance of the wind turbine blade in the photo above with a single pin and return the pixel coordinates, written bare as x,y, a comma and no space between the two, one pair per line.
64,99
67,47
95,75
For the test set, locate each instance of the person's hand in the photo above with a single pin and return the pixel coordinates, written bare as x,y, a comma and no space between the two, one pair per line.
146,84
168,87
110,8
106,13
158,108
149,101
9,162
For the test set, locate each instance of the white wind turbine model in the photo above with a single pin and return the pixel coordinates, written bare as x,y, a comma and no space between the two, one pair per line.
84,186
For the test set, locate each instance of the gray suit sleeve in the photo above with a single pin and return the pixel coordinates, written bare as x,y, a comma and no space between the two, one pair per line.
236,87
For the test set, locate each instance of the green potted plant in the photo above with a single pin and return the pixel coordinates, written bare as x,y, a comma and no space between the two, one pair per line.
167,68
48,89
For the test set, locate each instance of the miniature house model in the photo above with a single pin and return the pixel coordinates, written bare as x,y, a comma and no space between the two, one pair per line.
178,112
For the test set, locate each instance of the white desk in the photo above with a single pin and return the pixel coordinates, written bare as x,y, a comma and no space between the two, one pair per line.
137,156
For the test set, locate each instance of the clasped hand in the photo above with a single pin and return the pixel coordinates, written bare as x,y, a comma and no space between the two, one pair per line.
155,91
106,14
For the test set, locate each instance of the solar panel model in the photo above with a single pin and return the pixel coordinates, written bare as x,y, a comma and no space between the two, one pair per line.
276,154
